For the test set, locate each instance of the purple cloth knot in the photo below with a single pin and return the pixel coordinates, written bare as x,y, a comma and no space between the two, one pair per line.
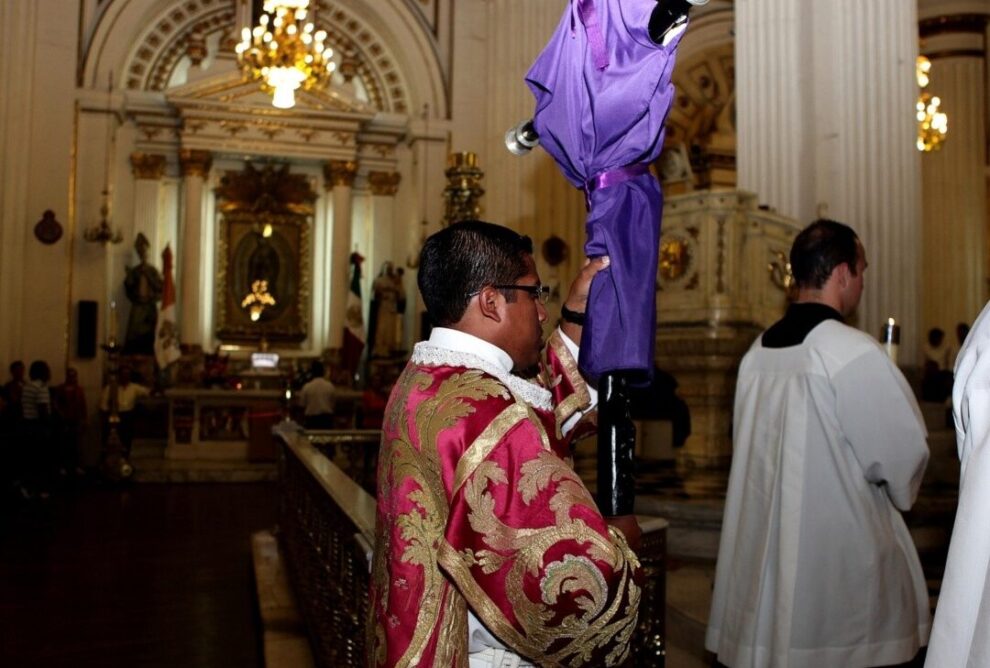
612,177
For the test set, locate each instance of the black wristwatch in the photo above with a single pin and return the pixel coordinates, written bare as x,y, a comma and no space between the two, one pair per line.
568,315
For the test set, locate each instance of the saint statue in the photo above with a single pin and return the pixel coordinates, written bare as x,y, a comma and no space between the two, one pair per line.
143,285
384,311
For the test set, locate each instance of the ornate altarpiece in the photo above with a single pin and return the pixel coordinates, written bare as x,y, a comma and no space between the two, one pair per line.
266,218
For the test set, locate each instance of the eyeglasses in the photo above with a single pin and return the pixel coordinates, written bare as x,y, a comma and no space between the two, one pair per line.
539,292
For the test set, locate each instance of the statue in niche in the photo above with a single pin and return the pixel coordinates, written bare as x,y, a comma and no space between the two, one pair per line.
384,313
143,285
263,263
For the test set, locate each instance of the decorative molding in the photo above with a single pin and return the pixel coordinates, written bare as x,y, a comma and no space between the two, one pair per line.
384,184
185,30
195,163
147,165
340,173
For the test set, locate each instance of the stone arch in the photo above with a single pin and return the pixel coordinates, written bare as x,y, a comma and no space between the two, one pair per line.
143,42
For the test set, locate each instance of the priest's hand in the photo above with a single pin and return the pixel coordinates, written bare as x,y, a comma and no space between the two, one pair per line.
629,527
577,298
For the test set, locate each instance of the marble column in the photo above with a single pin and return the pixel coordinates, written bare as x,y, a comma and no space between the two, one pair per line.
955,177
384,186
825,118
195,167
148,170
385,246
339,181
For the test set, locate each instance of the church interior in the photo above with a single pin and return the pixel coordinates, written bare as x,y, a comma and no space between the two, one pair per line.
170,219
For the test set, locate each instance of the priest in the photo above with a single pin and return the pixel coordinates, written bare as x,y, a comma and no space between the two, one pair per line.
489,549
815,565
959,637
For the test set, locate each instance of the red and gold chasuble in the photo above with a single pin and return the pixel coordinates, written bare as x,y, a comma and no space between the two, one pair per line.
478,507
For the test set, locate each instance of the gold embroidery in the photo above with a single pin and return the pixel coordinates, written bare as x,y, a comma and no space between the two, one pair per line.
422,527
580,399
486,442
603,617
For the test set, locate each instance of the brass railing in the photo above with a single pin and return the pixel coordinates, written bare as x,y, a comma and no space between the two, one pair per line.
326,530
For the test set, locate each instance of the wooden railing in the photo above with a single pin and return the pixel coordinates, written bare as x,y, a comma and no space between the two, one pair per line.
326,532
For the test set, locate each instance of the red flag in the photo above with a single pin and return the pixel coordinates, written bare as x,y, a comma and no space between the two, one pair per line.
166,333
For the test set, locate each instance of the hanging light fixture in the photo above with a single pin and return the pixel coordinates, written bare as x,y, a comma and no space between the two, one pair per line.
933,124
101,232
284,52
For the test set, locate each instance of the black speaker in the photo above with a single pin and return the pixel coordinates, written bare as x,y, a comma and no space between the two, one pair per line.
86,329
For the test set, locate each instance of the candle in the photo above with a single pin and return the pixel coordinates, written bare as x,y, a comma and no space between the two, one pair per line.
112,333
890,338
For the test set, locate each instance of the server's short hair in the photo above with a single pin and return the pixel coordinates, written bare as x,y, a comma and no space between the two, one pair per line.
820,248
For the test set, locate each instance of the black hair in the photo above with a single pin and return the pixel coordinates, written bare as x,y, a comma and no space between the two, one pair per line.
935,336
39,370
820,248
17,364
316,369
460,260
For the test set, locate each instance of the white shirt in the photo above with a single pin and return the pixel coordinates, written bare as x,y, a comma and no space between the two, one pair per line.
816,567
126,397
479,638
961,634
318,397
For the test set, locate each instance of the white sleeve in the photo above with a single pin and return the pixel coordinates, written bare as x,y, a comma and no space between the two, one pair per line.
879,416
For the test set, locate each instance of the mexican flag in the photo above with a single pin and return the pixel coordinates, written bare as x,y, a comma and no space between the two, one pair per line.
167,334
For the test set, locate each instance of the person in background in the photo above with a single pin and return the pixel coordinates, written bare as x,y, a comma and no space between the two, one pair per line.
36,441
70,408
128,394
816,567
936,374
10,419
318,399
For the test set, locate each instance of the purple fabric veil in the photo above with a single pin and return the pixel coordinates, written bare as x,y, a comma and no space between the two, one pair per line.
601,125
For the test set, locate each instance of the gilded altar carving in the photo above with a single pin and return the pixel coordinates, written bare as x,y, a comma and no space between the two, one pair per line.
195,163
339,173
265,235
384,184
147,165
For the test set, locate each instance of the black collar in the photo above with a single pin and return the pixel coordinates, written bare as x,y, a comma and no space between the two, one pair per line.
797,323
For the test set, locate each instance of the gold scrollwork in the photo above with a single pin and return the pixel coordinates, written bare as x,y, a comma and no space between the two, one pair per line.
675,257
780,271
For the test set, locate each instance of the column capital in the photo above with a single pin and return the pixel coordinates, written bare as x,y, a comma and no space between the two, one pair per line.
195,163
340,173
384,184
147,165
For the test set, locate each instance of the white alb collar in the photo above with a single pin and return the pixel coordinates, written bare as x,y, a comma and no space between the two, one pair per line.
450,347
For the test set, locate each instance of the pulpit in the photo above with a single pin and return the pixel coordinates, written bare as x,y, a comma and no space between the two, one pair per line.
722,278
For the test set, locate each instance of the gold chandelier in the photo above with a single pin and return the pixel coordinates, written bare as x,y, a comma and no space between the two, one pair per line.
932,123
284,53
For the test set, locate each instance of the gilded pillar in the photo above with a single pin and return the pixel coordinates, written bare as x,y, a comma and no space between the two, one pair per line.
825,121
339,181
148,170
954,225
193,284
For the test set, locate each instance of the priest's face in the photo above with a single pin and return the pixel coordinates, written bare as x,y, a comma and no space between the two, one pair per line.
525,315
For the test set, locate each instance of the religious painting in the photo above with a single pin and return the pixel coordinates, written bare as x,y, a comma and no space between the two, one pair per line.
263,269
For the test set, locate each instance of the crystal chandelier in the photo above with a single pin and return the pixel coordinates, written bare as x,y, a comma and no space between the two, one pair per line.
284,53
932,123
